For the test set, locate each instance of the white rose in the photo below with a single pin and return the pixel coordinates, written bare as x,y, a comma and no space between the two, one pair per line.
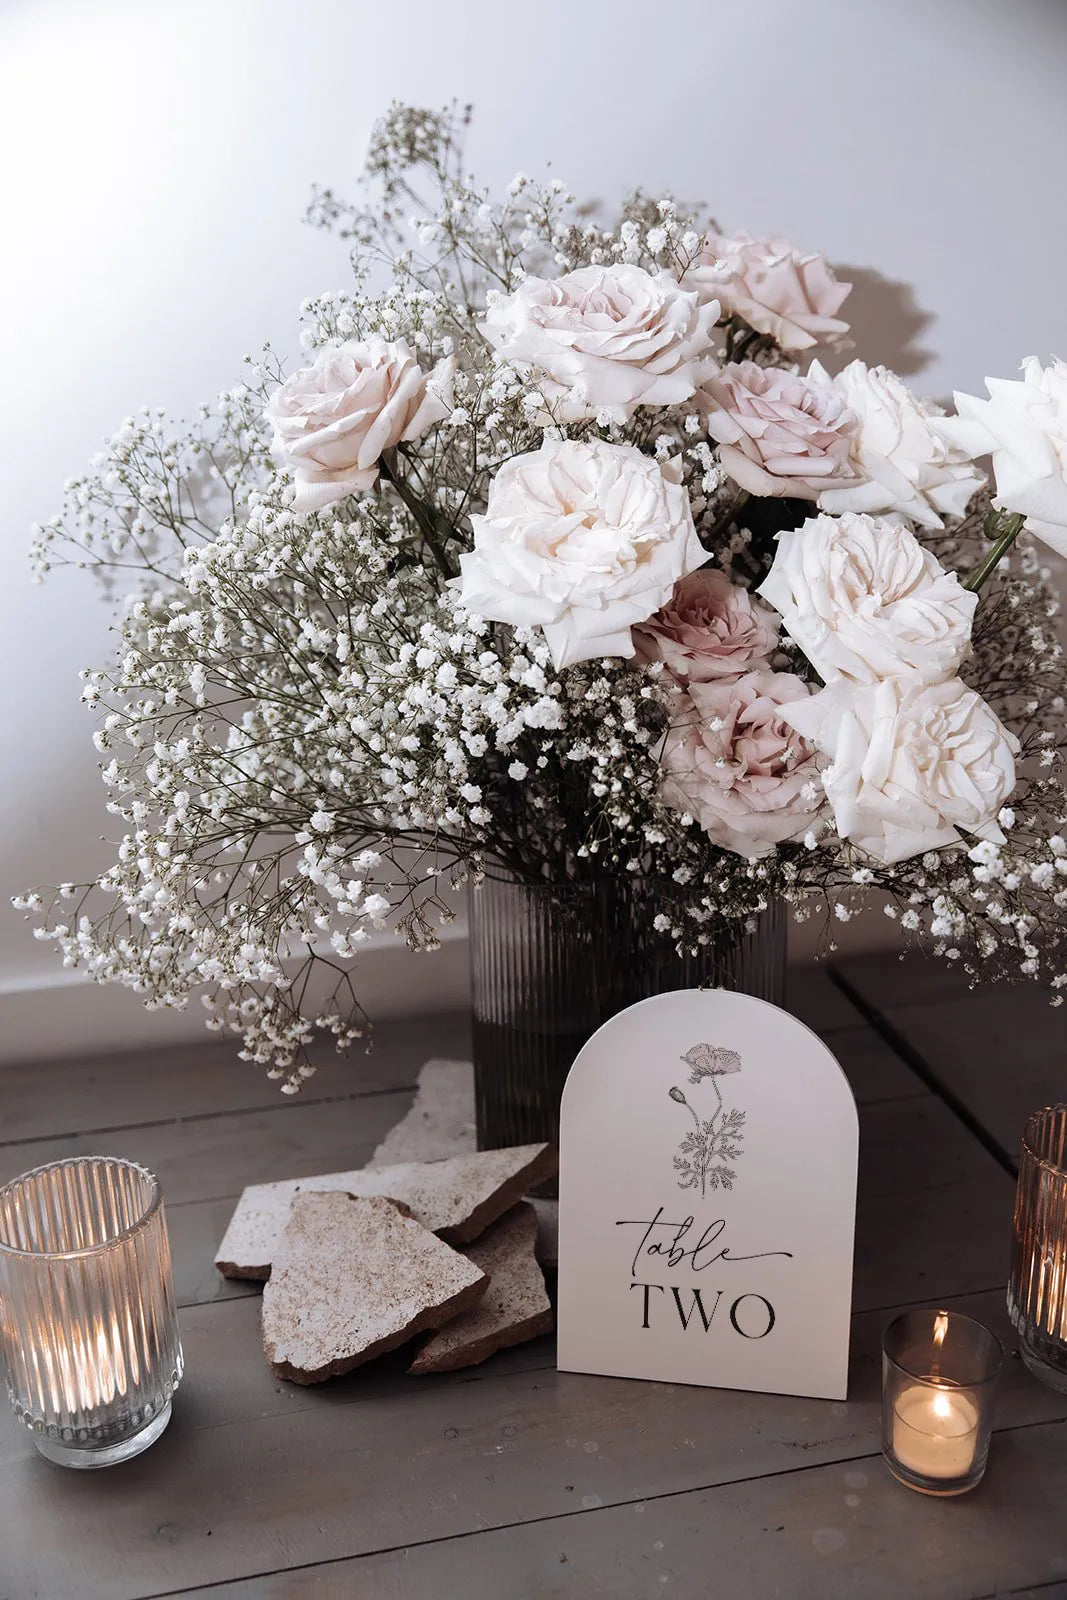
864,600
907,463
606,339
1023,425
913,766
334,419
581,540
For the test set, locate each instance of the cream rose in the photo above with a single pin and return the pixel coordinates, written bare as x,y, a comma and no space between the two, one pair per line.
732,761
606,339
864,600
710,628
913,766
778,433
903,461
582,541
1023,425
334,419
777,289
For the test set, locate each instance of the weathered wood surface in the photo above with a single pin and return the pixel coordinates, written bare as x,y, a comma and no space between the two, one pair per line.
837,1532
513,1480
888,980
355,1468
996,1054
43,1099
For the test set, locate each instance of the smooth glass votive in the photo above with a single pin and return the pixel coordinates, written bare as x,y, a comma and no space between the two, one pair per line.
88,1328
939,1371
1037,1281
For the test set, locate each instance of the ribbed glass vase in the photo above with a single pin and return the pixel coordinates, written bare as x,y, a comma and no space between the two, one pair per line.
551,962
88,1329
1037,1280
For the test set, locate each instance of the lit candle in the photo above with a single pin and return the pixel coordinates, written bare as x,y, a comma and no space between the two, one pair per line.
81,1368
935,1431
939,1370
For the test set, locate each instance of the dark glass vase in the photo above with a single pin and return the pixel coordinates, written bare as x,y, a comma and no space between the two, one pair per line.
551,962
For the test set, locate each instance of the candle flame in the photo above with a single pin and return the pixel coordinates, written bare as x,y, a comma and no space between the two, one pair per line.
940,1329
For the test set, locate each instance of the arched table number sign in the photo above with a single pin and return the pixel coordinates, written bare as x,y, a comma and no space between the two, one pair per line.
707,1199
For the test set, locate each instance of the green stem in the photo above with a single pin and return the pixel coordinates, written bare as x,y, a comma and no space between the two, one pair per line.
736,506
741,340
430,523
1004,534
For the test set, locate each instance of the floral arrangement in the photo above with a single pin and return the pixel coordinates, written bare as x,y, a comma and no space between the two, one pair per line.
560,558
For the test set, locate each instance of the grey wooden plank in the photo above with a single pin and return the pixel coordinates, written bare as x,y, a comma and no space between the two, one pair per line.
43,1098
830,1533
918,1143
811,995
874,1071
926,1244
885,978
201,1158
934,1208
228,1381
1001,1052
355,1467
911,1242
124,1089
195,1231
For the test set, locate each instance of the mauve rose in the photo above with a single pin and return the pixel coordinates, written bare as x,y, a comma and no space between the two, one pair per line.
777,289
710,628
731,760
779,433
334,419
606,339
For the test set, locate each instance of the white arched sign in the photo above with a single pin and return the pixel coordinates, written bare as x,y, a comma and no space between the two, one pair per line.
707,1199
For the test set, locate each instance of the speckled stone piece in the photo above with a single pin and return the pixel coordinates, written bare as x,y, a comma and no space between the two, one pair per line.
514,1309
457,1198
353,1278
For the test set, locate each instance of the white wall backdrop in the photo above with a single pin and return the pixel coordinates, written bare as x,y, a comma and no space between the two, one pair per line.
157,159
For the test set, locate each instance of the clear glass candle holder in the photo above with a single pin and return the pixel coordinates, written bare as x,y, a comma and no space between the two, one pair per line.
1037,1281
88,1328
939,1372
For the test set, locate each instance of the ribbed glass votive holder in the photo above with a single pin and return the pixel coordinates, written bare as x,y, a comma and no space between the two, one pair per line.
1037,1282
88,1328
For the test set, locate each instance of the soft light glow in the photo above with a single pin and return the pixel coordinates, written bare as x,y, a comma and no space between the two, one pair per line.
942,1404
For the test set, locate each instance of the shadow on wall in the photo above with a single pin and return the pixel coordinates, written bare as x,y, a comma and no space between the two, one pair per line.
886,322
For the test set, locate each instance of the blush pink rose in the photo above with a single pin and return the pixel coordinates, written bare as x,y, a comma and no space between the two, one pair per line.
777,289
710,628
334,420
731,760
779,433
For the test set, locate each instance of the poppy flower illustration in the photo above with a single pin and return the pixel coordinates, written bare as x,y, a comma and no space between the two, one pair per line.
710,1061
703,1155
